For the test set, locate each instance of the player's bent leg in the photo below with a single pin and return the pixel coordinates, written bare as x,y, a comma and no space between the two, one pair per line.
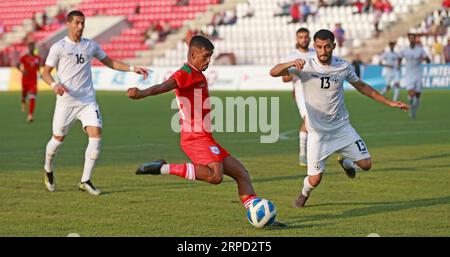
213,173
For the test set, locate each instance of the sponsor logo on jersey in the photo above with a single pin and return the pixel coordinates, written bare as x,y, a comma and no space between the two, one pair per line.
214,149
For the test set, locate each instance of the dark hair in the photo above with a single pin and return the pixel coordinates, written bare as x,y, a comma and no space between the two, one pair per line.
302,29
74,13
324,34
201,42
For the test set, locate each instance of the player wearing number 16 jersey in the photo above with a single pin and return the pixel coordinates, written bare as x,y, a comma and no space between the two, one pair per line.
75,100
329,128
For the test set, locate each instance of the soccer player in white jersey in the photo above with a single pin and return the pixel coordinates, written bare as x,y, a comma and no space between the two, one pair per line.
412,79
391,72
72,57
329,128
302,51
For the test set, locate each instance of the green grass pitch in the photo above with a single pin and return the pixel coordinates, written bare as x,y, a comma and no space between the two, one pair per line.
406,194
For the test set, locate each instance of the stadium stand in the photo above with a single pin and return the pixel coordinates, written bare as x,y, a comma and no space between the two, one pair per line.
266,38
433,32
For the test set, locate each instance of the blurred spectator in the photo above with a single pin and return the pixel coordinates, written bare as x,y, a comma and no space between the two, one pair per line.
305,11
358,65
446,3
339,34
295,12
137,9
447,52
359,5
164,30
60,17
44,19
229,18
441,30
182,3
249,11
367,6
437,51
215,33
387,6
151,36
34,24
283,9
376,21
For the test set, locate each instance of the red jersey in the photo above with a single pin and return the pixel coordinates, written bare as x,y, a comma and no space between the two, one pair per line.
31,64
193,102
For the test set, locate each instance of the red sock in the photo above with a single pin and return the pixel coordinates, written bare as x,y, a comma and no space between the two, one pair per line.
247,200
185,170
31,107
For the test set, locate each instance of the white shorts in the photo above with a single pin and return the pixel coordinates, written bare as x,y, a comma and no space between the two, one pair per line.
64,117
413,83
392,78
344,141
300,100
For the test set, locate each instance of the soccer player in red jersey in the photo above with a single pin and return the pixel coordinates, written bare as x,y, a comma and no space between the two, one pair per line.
29,65
209,160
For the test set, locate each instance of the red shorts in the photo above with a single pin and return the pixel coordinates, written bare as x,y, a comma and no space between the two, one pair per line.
203,150
29,88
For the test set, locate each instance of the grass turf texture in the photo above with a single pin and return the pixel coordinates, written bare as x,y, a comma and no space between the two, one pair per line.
406,194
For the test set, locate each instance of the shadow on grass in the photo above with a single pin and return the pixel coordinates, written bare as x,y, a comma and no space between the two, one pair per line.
376,208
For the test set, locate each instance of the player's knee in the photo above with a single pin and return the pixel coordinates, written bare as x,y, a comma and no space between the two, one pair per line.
216,179
365,164
59,138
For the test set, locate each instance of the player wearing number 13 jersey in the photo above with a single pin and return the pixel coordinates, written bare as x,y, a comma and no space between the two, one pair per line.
329,128
72,57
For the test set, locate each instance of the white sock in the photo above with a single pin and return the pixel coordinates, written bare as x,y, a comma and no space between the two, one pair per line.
165,169
383,91
348,163
396,93
50,153
303,140
92,153
416,102
307,188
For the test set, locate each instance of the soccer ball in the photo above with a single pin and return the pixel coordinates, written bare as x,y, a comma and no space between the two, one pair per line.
261,213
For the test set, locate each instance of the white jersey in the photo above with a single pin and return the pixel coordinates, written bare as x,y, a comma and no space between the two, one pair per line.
294,55
413,57
390,58
73,64
323,88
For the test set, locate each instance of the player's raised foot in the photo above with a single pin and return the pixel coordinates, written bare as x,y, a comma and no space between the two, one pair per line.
30,118
350,172
89,187
300,202
153,168
302,161
49,181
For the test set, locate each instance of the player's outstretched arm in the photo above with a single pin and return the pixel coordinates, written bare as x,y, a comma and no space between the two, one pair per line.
120,66
367,90
168,85
282,68
57,87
